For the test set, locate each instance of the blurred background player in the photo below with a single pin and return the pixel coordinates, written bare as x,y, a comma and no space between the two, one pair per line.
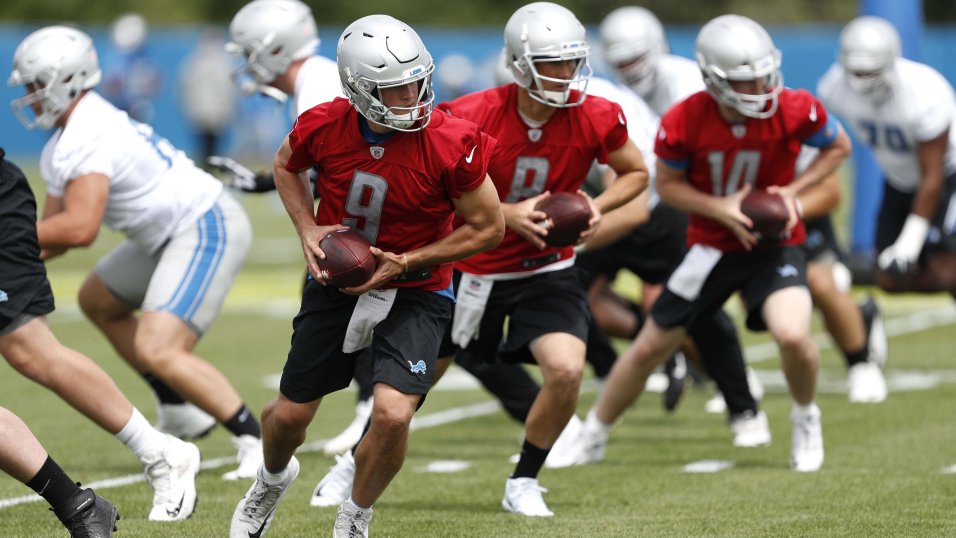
84,513
185,238
131,77
31,348
745,106
209,98
856,330
419,168
904,112
549,132
277,41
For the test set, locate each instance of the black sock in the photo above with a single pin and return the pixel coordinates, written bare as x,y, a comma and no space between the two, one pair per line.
52,483
163,391
368,424
856,357
244,423
531,460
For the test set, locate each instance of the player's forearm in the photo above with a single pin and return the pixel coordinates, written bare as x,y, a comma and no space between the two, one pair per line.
624,189
66,230
618,223
822,198
827,162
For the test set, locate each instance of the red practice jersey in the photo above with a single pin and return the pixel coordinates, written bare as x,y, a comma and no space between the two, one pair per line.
719,156
398,193
528,161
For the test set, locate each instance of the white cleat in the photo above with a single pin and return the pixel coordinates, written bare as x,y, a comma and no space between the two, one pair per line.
185,421
352,433
351,521
806,454
523,496
336,486
563,453
172,475
750,430
865,383
716,405
249,457
254,512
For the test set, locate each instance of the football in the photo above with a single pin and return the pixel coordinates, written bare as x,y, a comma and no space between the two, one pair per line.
768,212
348,261
568,216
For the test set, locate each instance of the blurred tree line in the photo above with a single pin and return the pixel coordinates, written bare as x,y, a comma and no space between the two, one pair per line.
450,13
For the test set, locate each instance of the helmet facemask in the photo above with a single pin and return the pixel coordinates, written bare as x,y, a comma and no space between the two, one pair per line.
527,67
367,95
759,106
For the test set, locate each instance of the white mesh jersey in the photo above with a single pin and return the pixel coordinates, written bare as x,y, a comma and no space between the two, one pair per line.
316,82
154,187
921,106
677,78
641,122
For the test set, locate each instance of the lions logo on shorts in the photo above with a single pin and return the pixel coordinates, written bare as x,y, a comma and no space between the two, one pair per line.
418,367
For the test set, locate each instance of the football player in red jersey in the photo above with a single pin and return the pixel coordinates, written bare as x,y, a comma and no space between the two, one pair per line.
396,171
743,132
549,132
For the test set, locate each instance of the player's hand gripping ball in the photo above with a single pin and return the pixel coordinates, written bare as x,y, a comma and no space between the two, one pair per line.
767,211
568,216
348,261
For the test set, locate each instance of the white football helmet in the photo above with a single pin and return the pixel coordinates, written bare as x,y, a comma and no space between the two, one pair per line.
546,32
60,62
735,48
379,51
634,42
269,35
869,47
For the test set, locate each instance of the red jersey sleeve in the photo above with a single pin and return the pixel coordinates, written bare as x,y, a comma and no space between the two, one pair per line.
670,145
610,124
469,171
304,140
807,113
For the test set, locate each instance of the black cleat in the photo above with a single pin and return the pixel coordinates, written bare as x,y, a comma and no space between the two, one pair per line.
676,370
87,515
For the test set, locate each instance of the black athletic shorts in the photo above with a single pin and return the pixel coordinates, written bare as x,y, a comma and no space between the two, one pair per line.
403,352
821,244
24,288
544,303
706,278
650,252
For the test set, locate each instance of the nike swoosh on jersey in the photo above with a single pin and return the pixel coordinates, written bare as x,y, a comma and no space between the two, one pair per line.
813,112
471,155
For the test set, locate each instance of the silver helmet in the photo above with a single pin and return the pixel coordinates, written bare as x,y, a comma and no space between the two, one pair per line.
735,48
379,51
547,32
634,42
869,47
269,35
59,62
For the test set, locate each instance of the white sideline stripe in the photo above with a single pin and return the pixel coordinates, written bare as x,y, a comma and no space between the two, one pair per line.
949,470
915,322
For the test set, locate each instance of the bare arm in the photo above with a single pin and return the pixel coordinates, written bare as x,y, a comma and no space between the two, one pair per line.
932,154
620,222
73,220
483,228
676,191
296,194
821,199
827,162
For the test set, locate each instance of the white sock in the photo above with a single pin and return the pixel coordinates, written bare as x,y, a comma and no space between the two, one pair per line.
355,504
805,409
273,478
140,436
594,423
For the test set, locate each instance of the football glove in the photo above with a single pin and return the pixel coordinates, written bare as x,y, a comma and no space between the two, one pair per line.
241,178
903,254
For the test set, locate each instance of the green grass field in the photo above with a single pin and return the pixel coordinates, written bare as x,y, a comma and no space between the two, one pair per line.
883,476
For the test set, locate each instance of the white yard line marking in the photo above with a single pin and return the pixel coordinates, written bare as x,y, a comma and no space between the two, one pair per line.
708,466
